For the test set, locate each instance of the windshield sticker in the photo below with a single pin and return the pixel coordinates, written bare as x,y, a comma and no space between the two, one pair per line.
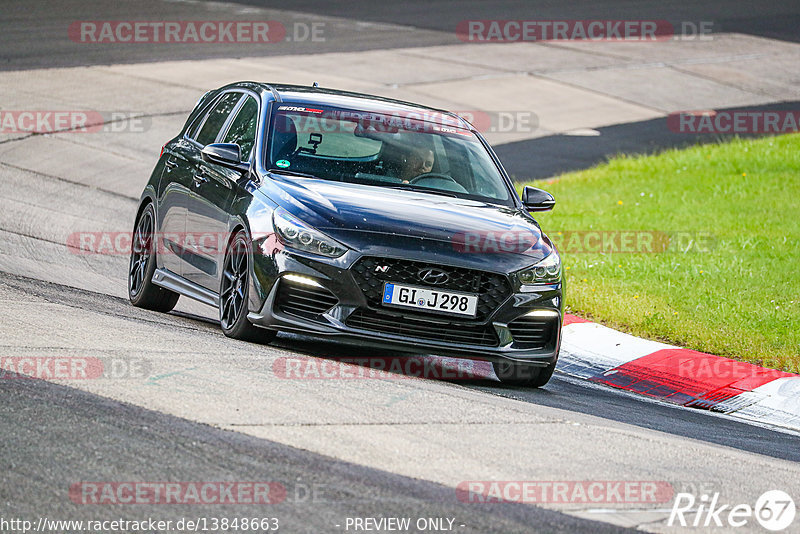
301,109
282,163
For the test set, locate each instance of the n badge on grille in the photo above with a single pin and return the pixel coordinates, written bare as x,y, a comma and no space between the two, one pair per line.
381,268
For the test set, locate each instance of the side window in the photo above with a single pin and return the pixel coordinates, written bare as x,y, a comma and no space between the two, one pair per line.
243,128
216,118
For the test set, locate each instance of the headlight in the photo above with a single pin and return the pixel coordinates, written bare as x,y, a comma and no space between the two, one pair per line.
545,272
297,234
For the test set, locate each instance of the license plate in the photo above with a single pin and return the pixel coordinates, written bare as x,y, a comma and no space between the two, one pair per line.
427,299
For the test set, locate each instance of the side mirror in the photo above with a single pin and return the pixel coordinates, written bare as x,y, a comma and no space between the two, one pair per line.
225,154
535,199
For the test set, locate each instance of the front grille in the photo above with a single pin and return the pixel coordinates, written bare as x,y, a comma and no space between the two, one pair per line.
492,288
531,332
308,302
434,328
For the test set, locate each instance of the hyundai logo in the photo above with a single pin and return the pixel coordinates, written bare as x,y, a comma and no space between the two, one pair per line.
432,275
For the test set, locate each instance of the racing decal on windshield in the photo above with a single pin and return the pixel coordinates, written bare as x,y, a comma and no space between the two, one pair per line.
446,130
300,109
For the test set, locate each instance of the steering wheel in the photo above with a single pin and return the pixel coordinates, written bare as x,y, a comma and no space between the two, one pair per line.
427,175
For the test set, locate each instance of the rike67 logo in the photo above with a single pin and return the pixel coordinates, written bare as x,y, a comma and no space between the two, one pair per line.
774,510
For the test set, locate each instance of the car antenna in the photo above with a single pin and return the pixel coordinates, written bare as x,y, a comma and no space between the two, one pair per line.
315,84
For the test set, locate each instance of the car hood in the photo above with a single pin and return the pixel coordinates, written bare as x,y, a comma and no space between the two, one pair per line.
368,217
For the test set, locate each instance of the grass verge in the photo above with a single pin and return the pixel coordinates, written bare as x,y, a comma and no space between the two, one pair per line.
723,221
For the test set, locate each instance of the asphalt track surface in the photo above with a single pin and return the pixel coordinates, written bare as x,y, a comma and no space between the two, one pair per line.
32,36
42,422
56,434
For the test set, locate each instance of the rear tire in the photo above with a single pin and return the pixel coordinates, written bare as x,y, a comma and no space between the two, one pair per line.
142,292
234,294
521,374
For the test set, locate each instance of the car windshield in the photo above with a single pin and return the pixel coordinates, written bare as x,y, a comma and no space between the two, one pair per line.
384,149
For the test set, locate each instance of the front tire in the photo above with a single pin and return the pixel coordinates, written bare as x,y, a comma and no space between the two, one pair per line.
520,374
234,293
142,292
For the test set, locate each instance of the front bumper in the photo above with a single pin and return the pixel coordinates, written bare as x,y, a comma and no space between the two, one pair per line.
523,326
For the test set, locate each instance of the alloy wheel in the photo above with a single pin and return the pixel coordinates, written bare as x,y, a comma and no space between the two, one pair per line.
234,284
141,252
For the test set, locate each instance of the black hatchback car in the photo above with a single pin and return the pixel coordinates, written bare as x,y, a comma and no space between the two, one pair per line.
340,214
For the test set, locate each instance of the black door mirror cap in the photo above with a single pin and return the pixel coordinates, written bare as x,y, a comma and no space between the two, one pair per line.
535,199
225,154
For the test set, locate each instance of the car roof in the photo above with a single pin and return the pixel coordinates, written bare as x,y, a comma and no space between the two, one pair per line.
320,96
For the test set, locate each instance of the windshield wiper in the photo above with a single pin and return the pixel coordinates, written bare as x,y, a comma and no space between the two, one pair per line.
292,173
422,190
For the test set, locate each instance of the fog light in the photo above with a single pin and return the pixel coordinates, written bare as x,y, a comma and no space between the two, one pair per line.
304,280
543,314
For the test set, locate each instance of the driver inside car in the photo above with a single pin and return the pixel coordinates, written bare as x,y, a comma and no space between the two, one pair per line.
420,161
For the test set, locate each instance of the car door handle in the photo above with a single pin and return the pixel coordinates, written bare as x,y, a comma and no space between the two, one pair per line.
200,177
